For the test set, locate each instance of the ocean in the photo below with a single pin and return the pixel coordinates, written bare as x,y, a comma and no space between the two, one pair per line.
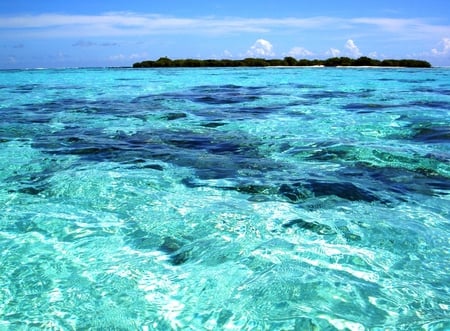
225,199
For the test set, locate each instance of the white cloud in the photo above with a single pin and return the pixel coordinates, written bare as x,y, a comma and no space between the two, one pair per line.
352,48
261,47
333,52
118,57
227,54
123,57
86,43
133,24
137,56
388,24
445,48
407,28
299,52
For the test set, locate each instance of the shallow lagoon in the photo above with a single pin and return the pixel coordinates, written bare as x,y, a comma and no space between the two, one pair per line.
237,199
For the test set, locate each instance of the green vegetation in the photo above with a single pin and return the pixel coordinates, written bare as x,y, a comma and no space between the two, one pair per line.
165,62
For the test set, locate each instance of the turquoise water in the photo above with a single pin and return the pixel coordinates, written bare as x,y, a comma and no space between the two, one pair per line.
225,199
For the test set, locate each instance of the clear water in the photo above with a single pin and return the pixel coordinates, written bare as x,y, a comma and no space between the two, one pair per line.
235,199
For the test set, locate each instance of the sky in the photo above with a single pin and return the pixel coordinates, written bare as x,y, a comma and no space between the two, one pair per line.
91,33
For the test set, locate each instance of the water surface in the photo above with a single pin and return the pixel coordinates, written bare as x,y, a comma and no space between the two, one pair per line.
225,199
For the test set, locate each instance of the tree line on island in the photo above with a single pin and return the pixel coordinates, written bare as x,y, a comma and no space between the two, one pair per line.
165,62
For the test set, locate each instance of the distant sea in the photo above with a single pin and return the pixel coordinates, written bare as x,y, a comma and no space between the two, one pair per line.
225,199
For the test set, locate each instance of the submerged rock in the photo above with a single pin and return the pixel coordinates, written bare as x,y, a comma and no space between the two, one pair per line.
174,248
312,226
344,190
174,116
431,134
297,192
294,193
321,229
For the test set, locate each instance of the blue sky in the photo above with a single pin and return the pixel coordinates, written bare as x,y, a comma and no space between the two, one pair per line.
61,33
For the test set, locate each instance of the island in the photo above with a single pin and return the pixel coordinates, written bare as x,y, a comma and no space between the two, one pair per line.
363,61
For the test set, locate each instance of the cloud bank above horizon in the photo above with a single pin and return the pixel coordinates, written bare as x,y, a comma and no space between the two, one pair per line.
118,37
129,23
